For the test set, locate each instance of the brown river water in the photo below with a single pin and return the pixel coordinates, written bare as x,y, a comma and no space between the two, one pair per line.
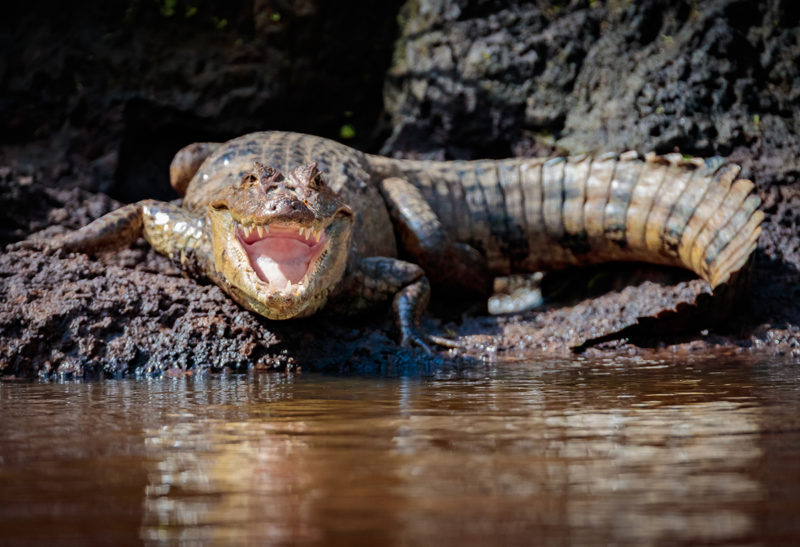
615,451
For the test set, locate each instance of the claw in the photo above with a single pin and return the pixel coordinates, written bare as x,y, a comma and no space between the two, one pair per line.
59,245
412,338
30,245
444,342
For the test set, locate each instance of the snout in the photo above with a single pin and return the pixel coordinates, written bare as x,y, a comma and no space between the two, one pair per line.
288,208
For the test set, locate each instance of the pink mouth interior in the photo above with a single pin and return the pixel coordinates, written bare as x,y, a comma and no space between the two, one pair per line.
282,256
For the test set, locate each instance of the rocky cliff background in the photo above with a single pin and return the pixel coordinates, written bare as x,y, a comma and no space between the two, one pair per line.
95,100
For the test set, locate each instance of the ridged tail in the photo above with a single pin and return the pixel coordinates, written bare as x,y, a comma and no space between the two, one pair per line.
534,214
666,209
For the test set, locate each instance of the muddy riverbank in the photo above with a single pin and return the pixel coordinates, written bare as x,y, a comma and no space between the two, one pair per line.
101,114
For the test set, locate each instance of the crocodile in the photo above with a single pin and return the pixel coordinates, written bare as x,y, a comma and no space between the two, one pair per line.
288,224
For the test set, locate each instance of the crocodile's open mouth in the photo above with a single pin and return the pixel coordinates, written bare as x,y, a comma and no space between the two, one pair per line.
279,267
282,255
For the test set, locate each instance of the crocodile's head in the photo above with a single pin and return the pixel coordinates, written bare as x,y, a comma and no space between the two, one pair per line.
280,243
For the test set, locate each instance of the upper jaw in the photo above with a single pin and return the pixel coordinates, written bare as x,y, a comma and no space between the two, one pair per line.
250,233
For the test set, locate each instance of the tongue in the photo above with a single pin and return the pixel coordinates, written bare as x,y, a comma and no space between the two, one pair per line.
279,260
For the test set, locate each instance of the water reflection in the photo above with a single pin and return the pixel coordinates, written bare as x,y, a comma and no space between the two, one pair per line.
553,452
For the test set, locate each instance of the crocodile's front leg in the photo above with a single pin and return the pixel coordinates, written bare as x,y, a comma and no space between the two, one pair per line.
169,229
446,263
370,282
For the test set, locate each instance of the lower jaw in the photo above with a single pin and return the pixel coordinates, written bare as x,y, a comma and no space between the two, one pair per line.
278,309
297,301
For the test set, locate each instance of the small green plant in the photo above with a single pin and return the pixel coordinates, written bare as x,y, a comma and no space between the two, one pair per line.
757,122
347,131
167,7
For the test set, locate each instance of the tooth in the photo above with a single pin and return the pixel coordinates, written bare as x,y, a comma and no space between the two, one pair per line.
260,231
266,228
318,234
304,232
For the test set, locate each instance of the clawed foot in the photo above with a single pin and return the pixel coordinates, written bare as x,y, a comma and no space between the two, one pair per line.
58,246
31,245
413,338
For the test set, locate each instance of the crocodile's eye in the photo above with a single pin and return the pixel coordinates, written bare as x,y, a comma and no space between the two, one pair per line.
315,182
308,176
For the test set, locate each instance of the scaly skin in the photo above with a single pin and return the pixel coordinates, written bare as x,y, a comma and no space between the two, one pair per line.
528,215
288,224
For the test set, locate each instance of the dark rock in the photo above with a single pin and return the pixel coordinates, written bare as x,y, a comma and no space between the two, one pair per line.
719,77
109,92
